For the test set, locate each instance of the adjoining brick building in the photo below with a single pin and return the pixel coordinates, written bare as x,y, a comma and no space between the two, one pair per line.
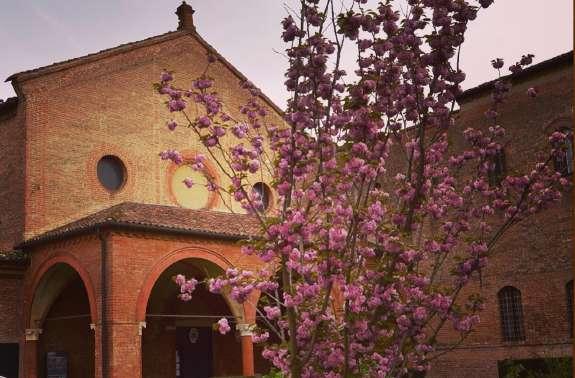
94,225
528,282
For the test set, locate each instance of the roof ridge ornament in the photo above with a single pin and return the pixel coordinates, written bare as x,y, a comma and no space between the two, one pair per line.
185,17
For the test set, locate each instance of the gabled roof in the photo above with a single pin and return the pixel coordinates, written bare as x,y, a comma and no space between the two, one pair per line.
59,66
157,218
124,48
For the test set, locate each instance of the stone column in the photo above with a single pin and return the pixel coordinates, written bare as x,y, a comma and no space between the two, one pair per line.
30,352
246,332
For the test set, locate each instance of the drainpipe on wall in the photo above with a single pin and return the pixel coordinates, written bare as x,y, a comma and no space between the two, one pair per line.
103,296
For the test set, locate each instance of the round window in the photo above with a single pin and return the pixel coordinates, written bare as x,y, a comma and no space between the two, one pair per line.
264,192
111,173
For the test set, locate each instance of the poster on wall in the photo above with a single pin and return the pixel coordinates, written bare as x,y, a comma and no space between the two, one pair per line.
56,365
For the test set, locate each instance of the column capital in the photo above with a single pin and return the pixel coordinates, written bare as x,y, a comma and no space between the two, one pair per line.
245,329
141,326
32,334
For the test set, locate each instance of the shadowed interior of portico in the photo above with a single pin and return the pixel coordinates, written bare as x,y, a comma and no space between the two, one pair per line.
179,339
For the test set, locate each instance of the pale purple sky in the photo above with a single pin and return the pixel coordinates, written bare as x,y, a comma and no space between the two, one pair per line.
35,33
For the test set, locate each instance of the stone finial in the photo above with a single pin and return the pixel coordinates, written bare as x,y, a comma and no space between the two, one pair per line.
185,16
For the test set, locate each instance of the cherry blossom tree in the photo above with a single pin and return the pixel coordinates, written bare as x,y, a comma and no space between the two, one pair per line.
379,222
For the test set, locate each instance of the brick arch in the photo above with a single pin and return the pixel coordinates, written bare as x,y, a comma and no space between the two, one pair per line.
45,268
173,257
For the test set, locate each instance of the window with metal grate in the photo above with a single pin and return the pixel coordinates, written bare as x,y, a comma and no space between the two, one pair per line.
511,311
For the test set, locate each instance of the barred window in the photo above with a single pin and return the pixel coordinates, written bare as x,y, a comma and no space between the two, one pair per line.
497,170
569,292
511,314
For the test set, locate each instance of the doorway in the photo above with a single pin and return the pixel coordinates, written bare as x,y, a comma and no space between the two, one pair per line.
194,352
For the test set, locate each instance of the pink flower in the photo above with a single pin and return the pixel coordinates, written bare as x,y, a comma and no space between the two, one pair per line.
497,63
223,326
261,337
166,76
215,285
485,3
202,84
420,314
204,122
180,279
253,166
272,312
188,182
526,59
172,125
172,155
185,297
176,105
532,92
240,130
211,141
211,186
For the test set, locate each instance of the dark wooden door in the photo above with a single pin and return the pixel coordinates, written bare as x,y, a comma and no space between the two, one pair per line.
194,346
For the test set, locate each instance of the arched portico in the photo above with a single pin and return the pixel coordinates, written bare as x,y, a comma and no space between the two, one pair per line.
60,309
183,331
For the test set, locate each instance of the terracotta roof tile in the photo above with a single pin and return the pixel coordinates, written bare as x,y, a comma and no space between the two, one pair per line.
57,66
158,218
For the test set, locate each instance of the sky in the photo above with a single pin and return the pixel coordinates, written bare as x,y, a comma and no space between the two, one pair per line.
36,33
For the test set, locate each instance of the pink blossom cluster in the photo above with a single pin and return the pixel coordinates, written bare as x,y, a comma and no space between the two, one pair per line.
380,221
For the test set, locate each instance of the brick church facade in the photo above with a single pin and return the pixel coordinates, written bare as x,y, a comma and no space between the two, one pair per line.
94,225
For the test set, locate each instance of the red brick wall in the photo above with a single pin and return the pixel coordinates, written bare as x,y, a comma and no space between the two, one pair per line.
10,298
12,172
85,252
133,258
76,116
535,256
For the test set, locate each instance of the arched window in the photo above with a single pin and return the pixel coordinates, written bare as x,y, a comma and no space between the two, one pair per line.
511,311
497,170
564,162
569,292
